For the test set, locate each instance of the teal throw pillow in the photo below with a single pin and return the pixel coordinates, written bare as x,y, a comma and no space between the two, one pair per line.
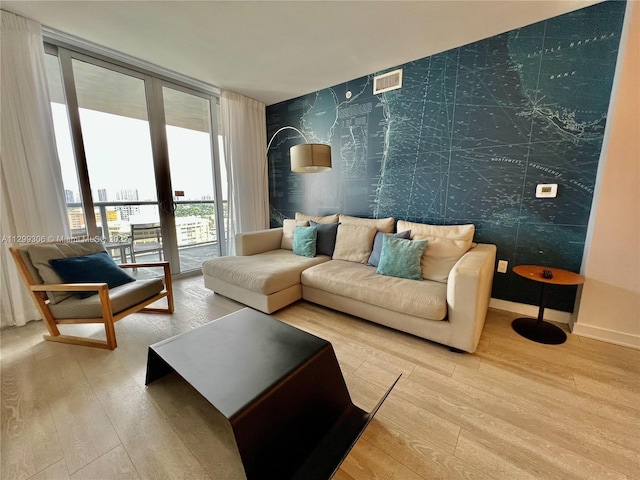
94,268
374,258
401,258
304,241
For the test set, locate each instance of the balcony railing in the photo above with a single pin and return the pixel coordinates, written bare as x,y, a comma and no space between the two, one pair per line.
196,232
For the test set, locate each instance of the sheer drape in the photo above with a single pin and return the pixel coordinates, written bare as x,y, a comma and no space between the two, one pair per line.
244,130
31,191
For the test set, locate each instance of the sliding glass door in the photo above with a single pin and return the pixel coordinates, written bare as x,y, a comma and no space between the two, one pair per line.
117,147
138,153
188,120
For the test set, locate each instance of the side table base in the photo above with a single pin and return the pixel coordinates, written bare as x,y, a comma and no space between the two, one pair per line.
541,332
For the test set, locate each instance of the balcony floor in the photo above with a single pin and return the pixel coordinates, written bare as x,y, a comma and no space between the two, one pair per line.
191,258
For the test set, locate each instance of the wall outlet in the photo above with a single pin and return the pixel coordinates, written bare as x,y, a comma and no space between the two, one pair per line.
502,266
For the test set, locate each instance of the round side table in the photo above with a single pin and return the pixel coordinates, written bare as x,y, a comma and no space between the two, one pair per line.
537,329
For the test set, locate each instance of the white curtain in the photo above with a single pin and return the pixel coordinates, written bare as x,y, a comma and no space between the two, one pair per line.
244,131
31,193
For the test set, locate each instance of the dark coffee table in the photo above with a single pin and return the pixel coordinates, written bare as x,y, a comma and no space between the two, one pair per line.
280,388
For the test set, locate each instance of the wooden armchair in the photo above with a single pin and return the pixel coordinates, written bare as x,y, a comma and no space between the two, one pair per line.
58,304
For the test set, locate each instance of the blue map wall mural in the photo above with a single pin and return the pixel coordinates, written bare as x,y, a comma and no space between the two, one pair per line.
466,139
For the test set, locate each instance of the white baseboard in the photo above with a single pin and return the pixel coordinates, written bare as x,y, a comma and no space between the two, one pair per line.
606,335
530,310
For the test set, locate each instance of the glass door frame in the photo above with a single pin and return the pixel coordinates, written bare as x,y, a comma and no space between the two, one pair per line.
153,85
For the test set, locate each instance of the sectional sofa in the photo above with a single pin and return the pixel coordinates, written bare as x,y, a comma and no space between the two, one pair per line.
445,298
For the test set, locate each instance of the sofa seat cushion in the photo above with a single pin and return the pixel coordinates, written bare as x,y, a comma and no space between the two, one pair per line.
420,298
264,273
122,297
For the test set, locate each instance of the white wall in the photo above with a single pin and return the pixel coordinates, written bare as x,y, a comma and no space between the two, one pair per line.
609,304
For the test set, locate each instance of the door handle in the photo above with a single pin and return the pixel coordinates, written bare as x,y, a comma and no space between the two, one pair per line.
168,206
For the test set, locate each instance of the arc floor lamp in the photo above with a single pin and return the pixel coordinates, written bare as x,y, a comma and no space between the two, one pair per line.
306,157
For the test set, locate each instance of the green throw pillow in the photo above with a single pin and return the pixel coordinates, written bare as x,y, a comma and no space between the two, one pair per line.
401,258
304,241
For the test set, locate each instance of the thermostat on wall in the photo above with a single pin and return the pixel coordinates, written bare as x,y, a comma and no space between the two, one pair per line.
546,190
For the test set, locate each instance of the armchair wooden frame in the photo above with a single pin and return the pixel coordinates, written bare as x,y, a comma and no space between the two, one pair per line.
38,293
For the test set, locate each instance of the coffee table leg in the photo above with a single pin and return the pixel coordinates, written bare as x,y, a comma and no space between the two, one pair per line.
156,367
537,329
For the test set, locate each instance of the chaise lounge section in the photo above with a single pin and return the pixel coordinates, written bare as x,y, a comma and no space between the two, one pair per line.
261,275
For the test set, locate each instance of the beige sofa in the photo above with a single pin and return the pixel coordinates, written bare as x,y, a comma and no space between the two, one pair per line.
266,275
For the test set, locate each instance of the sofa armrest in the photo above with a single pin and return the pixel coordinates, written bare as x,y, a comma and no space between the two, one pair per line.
252,243
468,294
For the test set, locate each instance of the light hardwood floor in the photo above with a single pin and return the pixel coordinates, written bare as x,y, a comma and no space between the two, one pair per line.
513,410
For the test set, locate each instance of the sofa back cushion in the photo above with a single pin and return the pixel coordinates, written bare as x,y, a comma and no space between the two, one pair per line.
288,227
326,219
384,225
354,243
446,245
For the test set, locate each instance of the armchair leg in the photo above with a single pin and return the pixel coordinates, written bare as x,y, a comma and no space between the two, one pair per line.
107,315
110,333
85,342
168,285
49,321
170,307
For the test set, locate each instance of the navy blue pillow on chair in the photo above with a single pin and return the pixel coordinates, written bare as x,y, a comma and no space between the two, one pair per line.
326,241
94,268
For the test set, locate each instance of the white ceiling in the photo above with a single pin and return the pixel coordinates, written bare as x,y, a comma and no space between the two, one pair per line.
277,50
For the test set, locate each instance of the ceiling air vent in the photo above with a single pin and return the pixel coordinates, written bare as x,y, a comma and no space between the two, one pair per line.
387,81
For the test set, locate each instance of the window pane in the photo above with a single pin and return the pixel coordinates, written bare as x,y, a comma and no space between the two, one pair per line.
189,142
65,147
115,130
